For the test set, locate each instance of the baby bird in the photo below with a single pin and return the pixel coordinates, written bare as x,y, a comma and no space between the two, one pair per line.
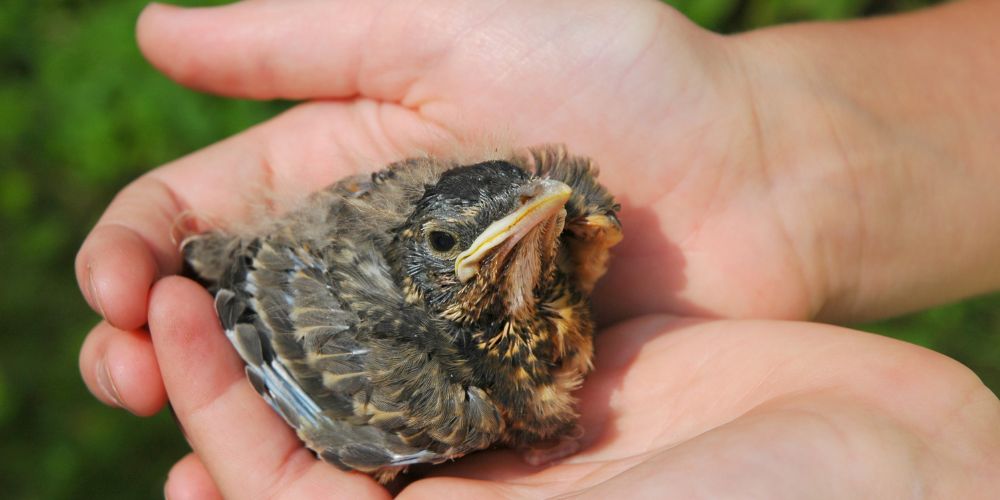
424,311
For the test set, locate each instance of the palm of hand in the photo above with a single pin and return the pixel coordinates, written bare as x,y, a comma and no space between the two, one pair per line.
688,408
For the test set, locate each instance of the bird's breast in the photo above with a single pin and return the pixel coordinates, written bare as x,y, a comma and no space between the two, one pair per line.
530,368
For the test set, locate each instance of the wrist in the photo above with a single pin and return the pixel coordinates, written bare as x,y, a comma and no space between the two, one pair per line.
876,161
811,140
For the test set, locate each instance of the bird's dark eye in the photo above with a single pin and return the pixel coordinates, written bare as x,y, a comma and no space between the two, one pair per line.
441,241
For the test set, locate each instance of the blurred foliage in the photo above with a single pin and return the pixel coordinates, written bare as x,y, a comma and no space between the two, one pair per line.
81,114
736,15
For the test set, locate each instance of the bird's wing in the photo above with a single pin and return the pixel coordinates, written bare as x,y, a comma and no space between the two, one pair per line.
365,381
359,383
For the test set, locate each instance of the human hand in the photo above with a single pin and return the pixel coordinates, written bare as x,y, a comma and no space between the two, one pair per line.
675,408
654,99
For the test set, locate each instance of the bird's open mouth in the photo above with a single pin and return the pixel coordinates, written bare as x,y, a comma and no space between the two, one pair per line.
541,201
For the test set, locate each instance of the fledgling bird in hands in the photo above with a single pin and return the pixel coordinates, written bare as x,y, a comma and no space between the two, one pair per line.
424,311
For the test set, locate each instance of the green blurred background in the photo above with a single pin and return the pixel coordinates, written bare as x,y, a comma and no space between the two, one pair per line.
81,114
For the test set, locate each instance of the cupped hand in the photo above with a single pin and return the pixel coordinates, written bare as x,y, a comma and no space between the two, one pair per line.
659,103
676,408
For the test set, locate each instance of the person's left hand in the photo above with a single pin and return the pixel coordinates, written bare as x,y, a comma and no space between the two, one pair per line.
676,407
658,102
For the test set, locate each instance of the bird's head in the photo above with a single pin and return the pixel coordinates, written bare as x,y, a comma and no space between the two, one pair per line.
481,241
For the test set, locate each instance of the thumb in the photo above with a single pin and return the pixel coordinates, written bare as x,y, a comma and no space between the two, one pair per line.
293,49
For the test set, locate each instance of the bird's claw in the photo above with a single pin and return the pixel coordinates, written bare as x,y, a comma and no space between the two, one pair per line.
563,447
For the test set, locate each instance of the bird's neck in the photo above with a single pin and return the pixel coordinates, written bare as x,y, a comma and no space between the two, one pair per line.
557,323
531,366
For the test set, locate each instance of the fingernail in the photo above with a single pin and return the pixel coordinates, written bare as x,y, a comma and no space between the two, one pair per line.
94,297
107,384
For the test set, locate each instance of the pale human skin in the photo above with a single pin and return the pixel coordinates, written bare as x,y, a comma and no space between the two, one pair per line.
835,172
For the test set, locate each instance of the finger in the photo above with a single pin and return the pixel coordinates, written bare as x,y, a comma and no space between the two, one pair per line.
384,49
245,446
308,147
114,255
293,49
189,480
120,368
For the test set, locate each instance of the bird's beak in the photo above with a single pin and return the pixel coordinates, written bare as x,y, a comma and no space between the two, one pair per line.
540,201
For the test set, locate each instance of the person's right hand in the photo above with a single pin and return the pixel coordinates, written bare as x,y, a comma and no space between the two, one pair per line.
658,102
